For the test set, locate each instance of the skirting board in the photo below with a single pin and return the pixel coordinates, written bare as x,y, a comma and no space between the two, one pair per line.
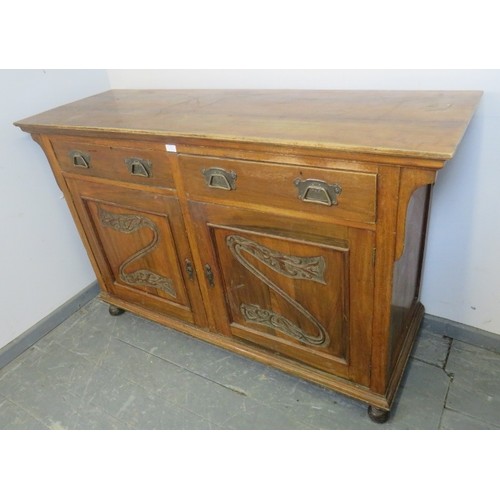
47,324
464,333
435,324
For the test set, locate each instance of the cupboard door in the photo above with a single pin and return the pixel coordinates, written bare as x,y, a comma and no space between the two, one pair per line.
299,289
139,242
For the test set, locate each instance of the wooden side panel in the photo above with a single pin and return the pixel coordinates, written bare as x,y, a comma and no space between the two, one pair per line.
394,332
407,270
387,210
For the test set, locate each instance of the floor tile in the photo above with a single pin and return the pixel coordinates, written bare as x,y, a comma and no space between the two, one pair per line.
56,408
97,371
132,404
418,404
13,417
420,399
431,348
139,367
90,336
324,409
261,417
47,384
475,388
67,325
206,398
226,368
55,368
92,418
303,401
454,420
166,343
169,382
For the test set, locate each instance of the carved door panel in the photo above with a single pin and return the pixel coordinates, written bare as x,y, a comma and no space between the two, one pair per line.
139,242
300,289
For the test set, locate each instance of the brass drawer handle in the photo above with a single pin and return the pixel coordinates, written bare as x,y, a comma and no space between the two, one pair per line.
218,178
139,167
316,191
79,159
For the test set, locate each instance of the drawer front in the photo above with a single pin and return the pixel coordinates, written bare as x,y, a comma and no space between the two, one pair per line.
123,161
337,193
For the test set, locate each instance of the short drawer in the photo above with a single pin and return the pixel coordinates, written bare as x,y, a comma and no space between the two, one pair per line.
123,161
327,192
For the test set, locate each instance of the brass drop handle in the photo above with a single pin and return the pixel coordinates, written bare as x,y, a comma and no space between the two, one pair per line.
139,167
189,269
80,159
317,191
209,275
218,178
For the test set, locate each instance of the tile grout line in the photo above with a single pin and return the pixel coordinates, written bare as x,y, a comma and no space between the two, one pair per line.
97,364
428,363
237,390
17,405
148,393
451,375
445,364
29,412
450,380
103,410
473,417
233,389
228,387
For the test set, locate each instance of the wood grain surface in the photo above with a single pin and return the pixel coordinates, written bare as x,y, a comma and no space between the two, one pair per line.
420,124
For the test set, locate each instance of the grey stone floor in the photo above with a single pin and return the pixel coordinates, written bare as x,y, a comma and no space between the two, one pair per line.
95,371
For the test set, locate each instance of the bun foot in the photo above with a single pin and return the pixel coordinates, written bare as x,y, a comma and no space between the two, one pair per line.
378,415
116,311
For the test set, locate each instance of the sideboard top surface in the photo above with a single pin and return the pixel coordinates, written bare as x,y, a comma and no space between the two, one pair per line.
419,124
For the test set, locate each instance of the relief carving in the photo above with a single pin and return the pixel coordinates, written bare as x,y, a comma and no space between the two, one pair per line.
255,314
307,268
129,223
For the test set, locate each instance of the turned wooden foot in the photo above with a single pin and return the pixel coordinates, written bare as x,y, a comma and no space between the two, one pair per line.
378,415
115,311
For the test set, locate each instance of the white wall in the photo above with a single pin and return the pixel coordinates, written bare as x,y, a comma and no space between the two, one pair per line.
43,261
462,267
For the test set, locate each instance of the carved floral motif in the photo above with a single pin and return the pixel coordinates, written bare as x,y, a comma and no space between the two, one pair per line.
129,223
294,267
307,268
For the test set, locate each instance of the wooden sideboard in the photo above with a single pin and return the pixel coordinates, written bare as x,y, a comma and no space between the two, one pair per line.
286,226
